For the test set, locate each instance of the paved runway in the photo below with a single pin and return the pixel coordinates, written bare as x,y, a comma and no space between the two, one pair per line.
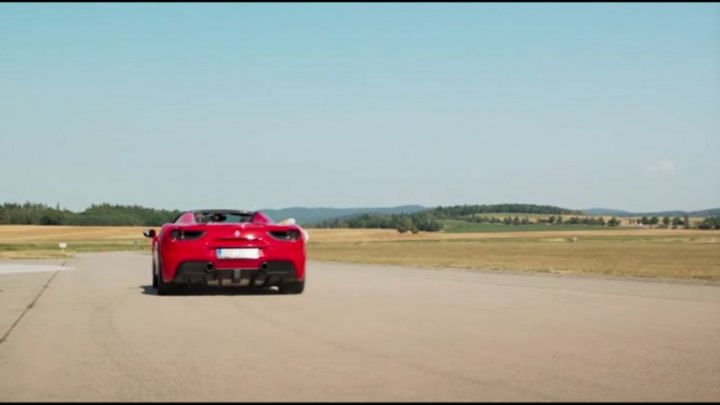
357,333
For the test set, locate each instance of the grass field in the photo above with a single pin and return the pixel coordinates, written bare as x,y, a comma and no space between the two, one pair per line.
666,253
640,258
36,241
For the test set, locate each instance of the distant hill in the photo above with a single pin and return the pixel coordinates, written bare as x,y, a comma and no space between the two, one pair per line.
675,213
314,215
712,212
429,220
607,211
423,218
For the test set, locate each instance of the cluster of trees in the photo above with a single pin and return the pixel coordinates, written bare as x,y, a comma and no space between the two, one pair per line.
710,223
464,211
32,214
552,220
599,221
97,214
419,221
666,222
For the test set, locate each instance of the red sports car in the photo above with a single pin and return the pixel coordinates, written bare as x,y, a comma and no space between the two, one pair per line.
228,248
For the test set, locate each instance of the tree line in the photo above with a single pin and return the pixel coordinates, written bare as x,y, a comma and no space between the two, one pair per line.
462,211
667,222
709,223
97,215
416,222
551,220
429,220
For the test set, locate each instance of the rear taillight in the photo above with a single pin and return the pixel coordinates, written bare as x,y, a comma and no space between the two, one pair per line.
285,235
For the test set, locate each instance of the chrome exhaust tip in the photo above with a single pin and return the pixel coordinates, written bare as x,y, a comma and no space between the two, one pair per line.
264,266
210,267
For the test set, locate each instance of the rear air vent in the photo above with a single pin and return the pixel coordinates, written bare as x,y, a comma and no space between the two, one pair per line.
192,235
177,234
285,235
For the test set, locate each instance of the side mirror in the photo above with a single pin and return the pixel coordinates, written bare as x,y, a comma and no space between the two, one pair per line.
149,233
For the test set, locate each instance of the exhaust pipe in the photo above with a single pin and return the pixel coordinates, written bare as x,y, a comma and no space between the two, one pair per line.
210,267
264,266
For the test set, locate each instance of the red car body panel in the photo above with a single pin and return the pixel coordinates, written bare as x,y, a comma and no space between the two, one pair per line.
203,239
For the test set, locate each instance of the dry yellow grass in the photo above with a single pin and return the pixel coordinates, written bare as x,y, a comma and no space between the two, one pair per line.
39,242
39,233
666,253
50,234
35,254
639,259
671,253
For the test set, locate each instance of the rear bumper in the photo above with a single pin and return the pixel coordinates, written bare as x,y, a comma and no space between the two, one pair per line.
276,272
173,255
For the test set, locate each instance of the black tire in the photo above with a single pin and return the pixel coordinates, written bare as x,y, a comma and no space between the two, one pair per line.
294,287
163,288
154,275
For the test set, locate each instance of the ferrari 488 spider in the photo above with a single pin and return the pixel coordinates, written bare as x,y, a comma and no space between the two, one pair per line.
228,248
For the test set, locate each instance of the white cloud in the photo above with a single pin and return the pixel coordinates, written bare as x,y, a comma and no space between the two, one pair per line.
661,166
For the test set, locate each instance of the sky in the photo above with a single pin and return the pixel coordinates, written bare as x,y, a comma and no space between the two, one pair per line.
275,105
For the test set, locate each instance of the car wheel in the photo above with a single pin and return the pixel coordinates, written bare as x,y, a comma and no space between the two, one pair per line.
154,275
295,287
163,288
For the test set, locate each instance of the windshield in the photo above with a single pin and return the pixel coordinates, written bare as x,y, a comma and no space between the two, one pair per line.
222,217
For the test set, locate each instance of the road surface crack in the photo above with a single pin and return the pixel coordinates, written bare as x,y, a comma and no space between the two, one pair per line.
28,307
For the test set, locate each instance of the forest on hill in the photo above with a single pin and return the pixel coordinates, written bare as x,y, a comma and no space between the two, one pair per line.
403,219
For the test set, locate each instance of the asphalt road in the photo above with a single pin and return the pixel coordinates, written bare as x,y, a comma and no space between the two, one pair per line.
357,333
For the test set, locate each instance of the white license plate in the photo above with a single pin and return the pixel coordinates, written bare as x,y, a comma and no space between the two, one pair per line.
243,253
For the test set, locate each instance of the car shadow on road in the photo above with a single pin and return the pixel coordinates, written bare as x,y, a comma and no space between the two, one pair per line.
209,290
